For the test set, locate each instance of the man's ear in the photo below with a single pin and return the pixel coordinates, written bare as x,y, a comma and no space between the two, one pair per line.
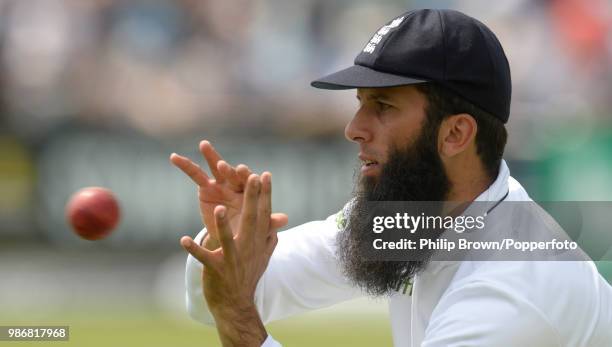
457,133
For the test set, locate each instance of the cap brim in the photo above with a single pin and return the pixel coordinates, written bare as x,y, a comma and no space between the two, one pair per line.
358,76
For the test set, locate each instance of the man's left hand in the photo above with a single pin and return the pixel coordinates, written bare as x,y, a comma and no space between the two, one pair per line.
231,273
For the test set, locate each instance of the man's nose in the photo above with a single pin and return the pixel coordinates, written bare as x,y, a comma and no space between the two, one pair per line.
358,130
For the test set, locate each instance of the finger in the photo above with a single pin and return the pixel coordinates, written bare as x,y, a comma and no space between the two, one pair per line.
210,241
212,157
226,238
230,174
203,255
190,168
271,242
278,220
265,203
248,218
243,172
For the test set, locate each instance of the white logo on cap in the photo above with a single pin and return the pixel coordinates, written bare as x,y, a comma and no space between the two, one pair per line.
371,46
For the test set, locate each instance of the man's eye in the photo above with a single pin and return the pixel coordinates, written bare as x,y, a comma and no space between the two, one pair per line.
383,107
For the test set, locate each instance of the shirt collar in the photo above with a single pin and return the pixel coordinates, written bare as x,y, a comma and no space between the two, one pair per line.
499,188
496,191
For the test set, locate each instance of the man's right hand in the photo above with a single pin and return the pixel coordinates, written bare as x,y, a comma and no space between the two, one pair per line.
227,189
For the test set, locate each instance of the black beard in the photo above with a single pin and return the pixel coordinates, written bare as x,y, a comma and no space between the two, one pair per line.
415,173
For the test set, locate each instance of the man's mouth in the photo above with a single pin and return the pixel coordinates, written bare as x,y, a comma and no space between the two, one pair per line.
369,166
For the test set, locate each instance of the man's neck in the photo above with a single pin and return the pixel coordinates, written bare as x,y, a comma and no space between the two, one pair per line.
468,185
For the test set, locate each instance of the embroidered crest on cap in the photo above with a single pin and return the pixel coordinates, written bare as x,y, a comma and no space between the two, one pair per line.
375,40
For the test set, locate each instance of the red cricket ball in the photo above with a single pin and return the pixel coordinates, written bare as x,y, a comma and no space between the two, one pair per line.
93,212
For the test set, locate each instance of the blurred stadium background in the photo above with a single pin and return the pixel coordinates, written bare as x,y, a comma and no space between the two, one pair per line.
100,92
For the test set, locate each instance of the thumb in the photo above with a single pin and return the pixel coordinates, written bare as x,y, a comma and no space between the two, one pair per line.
278,220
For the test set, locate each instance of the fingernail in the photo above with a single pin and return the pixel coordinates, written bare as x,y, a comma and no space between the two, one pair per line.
222,213
266,177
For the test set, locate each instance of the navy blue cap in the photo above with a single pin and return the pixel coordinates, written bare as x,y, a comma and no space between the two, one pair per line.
447,47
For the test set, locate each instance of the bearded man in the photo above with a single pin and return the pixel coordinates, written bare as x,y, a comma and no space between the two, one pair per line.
434,89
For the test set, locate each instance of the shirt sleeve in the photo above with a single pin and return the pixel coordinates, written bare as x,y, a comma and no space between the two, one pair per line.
302,275
486,314
194,296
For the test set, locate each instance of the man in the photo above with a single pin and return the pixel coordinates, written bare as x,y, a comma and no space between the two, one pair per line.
434,93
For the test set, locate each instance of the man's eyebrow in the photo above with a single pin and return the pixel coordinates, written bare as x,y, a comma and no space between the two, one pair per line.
375,96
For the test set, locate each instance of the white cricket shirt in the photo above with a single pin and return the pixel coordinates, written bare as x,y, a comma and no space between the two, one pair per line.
469,303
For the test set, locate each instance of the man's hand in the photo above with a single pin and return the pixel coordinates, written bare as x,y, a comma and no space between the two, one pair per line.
225,189
231,273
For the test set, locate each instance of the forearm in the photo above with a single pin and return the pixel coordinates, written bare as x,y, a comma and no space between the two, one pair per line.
240,326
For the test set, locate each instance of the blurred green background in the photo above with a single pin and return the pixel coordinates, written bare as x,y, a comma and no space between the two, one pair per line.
145,327
100,92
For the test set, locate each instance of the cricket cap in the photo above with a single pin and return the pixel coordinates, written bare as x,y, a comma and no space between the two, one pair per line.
446,47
